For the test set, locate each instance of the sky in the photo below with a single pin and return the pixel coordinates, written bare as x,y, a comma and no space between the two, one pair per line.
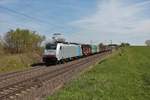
82,21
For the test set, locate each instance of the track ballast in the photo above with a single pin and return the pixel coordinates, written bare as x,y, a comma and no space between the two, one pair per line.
39,82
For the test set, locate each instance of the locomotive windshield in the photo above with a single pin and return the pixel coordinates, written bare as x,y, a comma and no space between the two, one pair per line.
51,46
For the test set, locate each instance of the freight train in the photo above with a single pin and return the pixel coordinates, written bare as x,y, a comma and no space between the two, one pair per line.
60,52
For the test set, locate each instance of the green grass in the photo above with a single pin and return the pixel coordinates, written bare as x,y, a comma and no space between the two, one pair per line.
123,76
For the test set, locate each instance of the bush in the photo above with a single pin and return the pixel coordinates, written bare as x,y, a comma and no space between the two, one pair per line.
124,44
147,42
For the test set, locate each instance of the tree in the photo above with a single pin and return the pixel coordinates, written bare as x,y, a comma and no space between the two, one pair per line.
22,40
101,45
124,44
1,46
147,42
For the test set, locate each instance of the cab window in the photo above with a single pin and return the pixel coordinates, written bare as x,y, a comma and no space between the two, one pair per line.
50,46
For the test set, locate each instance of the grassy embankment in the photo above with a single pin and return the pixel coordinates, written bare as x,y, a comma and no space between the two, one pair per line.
13,62
124,76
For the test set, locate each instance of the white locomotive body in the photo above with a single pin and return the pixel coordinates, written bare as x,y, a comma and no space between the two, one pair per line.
60,51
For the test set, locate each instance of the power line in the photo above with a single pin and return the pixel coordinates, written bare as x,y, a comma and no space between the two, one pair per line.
9,26
12,26
27,16
20,13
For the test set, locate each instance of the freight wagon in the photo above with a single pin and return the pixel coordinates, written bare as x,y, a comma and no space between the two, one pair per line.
86,49
94,49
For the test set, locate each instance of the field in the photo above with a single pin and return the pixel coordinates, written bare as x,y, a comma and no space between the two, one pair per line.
14,62
122,76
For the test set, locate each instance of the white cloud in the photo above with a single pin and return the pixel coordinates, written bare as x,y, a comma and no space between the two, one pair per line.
114,19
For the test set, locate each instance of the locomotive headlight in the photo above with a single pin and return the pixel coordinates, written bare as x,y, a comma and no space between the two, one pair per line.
52,53
48,52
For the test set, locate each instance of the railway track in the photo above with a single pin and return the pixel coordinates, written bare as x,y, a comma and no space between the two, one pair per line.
5,76
17,76
35,83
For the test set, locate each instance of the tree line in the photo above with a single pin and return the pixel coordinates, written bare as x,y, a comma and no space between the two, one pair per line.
20,41
24,40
